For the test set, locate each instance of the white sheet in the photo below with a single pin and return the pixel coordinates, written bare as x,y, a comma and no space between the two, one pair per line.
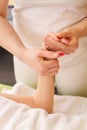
70,113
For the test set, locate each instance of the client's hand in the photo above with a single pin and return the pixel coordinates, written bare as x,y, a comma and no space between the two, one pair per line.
66,41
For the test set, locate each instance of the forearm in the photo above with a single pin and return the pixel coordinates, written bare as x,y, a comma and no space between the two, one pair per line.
80,29
28,100
9,39
44,95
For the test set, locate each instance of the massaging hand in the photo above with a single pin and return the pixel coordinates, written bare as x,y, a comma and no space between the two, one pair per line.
66,41
42,61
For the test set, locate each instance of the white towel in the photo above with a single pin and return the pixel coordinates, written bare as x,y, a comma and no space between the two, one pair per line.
69,113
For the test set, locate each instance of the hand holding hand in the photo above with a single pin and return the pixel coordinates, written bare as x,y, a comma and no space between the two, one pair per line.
65,41
42,61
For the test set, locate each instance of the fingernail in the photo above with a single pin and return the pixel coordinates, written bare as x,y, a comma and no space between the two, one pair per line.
61,53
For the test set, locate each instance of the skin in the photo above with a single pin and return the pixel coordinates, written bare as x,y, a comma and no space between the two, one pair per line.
67,39
10,41
43,97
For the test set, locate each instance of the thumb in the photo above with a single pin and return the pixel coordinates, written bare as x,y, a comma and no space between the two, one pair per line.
63,34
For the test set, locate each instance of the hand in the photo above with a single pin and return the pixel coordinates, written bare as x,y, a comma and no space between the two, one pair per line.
66,41
42,61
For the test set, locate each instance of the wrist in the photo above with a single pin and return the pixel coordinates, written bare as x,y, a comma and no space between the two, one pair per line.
74,31
46,80
23,54
78,31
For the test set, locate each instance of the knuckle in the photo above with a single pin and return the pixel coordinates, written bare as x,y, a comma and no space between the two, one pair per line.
38,53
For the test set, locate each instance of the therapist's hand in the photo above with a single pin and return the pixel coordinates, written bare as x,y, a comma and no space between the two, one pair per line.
66,41
42,61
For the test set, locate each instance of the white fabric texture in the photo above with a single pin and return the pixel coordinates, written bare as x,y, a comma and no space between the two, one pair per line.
69,113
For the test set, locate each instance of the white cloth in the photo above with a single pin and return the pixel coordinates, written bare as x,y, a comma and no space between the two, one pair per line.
69,113
32,20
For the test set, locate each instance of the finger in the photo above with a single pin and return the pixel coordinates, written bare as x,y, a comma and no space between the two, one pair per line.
51,71
49,47
49,63
61,46
47,54
44,45
73,45
47,67
69,50
65,41
52,35
63,34
52,44
52,64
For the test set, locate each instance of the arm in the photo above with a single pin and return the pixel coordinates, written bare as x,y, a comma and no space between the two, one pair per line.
43,97
10,41
77,30
67,39
80,28
8,37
